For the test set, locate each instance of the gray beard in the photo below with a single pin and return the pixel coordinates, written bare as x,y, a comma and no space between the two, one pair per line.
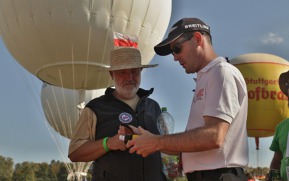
128,94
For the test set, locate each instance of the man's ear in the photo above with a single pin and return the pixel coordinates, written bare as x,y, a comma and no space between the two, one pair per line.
198,37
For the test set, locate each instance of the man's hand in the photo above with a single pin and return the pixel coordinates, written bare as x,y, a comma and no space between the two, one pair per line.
145,144
125,129
114,143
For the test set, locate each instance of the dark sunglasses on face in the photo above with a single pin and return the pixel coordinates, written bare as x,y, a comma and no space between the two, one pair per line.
177,48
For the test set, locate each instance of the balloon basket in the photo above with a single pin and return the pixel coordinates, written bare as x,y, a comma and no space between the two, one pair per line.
171,168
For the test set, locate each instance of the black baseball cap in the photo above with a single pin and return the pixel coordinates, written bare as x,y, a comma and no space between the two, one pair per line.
284,82
177,30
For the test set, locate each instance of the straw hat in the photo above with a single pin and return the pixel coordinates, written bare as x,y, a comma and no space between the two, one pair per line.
284,82
126,58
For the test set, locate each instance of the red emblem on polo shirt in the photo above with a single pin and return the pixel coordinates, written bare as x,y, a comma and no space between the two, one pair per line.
199,95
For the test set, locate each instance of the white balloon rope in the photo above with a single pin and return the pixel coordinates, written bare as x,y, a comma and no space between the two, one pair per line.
59,144
87,56
30,86
67,133
66,118
56,137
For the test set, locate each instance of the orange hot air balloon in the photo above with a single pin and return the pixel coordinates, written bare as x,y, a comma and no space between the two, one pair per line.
65,42
267,104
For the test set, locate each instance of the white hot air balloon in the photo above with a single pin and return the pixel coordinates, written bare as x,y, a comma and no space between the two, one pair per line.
62,108
65,42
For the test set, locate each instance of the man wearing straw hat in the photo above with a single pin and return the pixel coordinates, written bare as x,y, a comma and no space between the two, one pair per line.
96,136
280,142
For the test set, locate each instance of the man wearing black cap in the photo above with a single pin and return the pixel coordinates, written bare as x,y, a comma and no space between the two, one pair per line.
280,142
214,145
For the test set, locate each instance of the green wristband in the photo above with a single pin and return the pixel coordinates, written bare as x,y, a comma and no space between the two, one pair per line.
104,144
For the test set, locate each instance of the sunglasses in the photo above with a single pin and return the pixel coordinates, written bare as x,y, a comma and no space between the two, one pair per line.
177,48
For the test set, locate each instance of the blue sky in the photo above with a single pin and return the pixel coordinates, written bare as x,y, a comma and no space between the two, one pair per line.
238,27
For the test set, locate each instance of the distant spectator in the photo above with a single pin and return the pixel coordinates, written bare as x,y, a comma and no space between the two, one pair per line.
250,177
280,140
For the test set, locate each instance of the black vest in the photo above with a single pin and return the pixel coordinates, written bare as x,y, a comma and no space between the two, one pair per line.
121,165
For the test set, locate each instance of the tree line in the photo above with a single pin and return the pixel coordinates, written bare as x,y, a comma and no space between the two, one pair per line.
30,171
56,171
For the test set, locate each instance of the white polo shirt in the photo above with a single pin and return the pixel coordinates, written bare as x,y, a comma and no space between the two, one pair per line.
220,92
